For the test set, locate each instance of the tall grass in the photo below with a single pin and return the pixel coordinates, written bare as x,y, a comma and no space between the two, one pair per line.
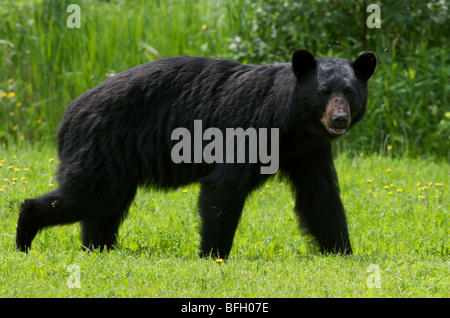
51,64
46,65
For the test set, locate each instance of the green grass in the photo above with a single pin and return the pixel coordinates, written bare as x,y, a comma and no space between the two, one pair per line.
405,235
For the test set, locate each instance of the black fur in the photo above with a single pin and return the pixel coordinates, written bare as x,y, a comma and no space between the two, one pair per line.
117,137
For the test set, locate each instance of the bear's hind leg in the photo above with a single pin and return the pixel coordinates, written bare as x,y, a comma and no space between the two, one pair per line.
100,230
50,209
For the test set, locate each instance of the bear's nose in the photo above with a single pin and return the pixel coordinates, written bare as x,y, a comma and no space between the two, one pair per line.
340,121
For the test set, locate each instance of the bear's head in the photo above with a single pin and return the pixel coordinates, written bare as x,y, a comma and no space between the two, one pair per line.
332,91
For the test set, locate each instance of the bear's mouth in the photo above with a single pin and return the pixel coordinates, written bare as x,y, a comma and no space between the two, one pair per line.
336,132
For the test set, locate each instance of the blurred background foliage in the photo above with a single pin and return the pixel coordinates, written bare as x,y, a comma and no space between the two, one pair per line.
44,64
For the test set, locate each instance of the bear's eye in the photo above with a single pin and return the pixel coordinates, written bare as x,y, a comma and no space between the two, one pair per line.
349,92
324,92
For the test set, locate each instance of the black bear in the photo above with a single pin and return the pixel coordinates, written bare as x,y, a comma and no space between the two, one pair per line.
120,135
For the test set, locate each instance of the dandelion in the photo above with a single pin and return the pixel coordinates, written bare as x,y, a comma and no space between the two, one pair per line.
6,179
438,184
11,95
50,160
184,190
386,187
418,184
436,197
11,114
16,169
388,170
10,81
10,167
430,183
390,193
267,186
19,104
369,192
14,128
38,121
391,185
389,147
369,180
399,190
204,27
25,169
51,185
22,138
421,197
260,193
280,184
218,262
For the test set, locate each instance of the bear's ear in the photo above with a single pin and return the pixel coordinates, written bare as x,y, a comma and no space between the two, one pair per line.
302,62
365,65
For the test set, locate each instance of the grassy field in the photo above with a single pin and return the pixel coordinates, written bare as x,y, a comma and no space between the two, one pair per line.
398,213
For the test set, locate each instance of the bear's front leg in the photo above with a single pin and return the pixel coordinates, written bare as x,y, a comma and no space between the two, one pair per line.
221,200
318,205
220,211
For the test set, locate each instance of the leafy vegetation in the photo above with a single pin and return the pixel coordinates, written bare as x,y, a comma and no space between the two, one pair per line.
45,64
